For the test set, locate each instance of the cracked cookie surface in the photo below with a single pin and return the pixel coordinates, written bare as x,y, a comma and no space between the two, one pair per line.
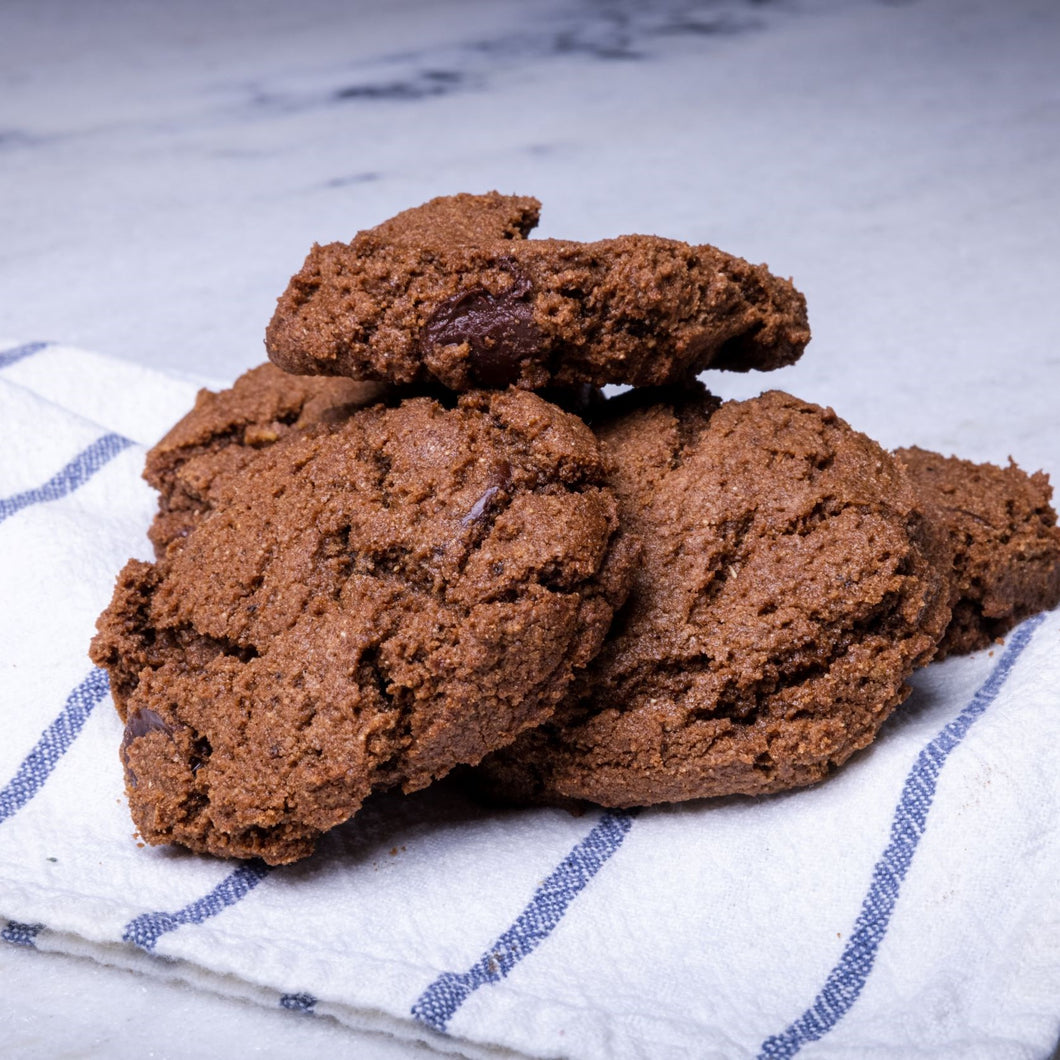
373,603
790,583
453,292
226,429
1006,544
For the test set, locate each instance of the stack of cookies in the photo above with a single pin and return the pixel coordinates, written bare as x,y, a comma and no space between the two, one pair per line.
421,539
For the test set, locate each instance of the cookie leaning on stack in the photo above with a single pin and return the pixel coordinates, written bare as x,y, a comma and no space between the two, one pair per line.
359,586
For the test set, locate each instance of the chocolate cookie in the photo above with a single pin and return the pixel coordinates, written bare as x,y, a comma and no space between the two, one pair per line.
1005,541
371,604
454,292
228,428
790,583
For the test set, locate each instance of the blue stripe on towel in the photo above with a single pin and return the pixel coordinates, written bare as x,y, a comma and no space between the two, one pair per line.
21,934
75,474
148,928
845,981
53,744
438,1003
18,353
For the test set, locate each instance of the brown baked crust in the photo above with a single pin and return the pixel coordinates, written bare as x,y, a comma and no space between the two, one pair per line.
368,605
453,292
226,429
790,583
1006,544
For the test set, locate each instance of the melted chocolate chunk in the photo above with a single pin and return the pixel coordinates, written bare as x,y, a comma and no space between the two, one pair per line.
499,330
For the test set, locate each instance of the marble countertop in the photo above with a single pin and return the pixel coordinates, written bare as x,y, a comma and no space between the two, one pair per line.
165,168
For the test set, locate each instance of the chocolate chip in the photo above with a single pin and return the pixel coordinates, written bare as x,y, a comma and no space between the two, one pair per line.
144,721
500,478
478,509
140,723
499,330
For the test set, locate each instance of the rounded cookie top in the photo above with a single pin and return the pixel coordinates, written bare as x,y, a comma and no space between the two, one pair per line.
453,292
226,429
1006,544
789,585
372,604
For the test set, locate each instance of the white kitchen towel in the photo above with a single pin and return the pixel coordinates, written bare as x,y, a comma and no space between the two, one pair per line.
907,907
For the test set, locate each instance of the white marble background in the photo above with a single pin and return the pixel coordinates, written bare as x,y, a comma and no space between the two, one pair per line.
165,167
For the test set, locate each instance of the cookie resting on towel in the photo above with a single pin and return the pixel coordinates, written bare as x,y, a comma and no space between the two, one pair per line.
453,292
228,428
1006,543
790,583
372,604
